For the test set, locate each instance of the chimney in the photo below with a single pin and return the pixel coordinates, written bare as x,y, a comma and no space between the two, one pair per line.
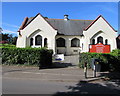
66,17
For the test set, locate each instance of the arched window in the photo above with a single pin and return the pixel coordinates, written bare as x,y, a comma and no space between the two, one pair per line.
82,46
45,42
60,42
93,41
31,41
100,39
106,42
75,42
38,40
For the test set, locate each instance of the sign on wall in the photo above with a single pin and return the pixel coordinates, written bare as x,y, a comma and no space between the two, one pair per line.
99,48
59,57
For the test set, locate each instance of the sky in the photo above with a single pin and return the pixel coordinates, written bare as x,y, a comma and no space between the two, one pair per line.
13,13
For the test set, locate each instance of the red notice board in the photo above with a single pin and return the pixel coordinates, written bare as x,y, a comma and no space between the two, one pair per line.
99,48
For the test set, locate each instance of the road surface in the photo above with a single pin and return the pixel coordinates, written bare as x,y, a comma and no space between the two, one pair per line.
52,81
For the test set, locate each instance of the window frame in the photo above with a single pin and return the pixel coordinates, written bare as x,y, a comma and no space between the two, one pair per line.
74,42
100,39
31,41
37,41
60,42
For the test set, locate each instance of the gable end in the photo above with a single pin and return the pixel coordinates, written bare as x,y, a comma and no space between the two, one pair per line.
26,23
96,20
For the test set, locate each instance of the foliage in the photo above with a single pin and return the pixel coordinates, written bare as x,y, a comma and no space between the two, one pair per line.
29,56
8,38
6,45
108,61
5,37
115,60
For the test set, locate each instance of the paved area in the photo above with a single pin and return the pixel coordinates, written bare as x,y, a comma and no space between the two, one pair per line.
33,86
58,81
72,74
72,59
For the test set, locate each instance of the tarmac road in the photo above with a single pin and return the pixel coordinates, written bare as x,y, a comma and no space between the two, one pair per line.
23,80
26,86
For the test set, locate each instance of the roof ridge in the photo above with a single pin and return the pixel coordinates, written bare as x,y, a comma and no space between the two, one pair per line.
63,19
54,19
69,19
81,19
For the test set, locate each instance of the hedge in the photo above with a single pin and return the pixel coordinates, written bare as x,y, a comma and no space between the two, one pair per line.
6,45
108,61
28,56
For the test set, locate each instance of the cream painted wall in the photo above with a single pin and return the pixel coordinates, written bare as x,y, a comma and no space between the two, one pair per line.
68,49
40,27
37,27
100,28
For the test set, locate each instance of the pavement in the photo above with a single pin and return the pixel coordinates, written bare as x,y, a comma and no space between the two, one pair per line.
69,74
57,81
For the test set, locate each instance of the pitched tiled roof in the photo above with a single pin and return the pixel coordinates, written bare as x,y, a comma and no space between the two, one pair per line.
65,27
69,27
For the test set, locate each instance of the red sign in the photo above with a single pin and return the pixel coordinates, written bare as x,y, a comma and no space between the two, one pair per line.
99,48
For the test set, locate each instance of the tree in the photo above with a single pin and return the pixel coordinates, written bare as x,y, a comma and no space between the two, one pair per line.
1,29
9,38
5,37
14,40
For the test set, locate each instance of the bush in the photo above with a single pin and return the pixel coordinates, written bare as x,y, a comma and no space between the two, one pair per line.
108,61
28,56
115,60
6,45
87,57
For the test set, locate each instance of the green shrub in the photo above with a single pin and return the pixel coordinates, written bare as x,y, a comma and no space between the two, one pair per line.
108,61
6,45
84,57
87,57
27,56
115,60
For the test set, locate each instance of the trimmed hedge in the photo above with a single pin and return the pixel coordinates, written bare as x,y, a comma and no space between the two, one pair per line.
114,60
108,61
28,56
6,45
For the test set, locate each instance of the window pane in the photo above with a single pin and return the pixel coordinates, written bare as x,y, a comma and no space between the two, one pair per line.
75,42
60,42
38,40
31,41
93,42
45,42
100,40
106,42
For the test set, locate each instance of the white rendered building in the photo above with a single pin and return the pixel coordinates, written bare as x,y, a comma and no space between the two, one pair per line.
66,36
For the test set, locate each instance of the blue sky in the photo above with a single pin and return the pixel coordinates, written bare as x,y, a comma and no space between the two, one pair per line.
13,13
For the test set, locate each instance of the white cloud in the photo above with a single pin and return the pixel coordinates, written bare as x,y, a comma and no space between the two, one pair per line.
8,31
10,25
110,10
